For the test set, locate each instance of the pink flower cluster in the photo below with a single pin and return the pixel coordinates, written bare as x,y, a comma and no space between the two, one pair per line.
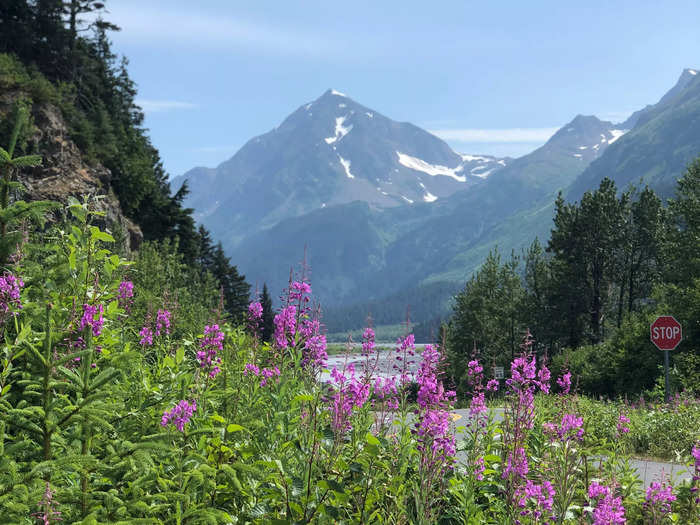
285,326
146,336
564,383
163,322
255,311
571,427
516,464
209,346
314,352
349,394
535,500
299,291
385,390
92,317
404,352
47,507
125,294
179,415
696,474
622,423
10,287
434,402
658,500
607,509
266,373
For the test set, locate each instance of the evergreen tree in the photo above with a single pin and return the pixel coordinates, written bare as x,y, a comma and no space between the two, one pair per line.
205,256
12,211
682,251
586,245
487,318
236,290
268,316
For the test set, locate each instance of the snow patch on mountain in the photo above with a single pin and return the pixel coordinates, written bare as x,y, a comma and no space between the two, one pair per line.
616,134
431,169
470,158
692,72
346,167
340,130
407,199
369,114
482,174
337,93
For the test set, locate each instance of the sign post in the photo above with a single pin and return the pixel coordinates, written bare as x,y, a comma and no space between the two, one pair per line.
666,333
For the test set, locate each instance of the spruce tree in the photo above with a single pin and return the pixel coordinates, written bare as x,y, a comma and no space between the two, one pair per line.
268,316
236,290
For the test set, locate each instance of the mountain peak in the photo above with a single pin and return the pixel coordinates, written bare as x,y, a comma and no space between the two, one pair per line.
330,92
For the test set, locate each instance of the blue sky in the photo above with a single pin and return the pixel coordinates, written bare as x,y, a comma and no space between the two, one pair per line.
488,77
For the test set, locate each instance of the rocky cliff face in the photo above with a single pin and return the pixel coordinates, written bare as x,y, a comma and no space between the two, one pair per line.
64,172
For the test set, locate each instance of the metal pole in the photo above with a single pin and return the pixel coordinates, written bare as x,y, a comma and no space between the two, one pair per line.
668,390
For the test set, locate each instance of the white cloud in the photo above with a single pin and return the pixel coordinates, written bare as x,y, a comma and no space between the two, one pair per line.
168,27
508,135
154,106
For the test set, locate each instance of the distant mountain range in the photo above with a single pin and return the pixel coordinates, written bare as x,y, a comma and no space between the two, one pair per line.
328,152
384,207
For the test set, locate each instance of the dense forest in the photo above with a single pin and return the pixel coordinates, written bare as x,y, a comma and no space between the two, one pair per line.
58,52
614,261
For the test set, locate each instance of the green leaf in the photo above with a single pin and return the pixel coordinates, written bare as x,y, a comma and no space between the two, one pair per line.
371,439
99,235
234,428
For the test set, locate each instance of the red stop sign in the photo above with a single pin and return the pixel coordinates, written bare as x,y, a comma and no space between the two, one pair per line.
666,332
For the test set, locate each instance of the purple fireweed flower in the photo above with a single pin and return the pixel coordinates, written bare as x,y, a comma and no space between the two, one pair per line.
299,290
92,317
696,474
436,442
163,322
367,341
314,354
544,375
477,405
474,368
404,351
179,415
607,509
516,464
571,423
385,390
492,385
255,311
125,295
658,500
564,383
535,500
251,369
146,336
47,507
285,326
267,374
349,393
10,287
479,468
209,346
622,421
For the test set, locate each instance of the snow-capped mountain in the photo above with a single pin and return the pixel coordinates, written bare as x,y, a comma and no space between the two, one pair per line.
328,152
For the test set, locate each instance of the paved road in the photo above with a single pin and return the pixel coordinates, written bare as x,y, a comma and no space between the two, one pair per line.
648,471
384,365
